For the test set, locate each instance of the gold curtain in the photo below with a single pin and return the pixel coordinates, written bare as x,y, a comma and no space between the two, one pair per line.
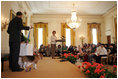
89,34
45,33
63,33
115,22
35,35
97,27
72,37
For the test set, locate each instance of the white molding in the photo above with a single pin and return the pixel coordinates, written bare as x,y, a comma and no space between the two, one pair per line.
62,16
28,5
110,11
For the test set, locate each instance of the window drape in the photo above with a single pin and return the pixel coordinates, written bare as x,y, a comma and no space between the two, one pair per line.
45,33
97,27
63,33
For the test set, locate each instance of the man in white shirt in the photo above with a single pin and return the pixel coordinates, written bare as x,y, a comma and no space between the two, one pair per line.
53,44
100,52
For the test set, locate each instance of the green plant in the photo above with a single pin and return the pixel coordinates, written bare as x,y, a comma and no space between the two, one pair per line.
26,39
70,57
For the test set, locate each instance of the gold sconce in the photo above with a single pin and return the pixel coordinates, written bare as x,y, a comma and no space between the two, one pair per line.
4,23
82,39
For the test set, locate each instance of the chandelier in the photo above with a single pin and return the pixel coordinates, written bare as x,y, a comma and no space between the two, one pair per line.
73,22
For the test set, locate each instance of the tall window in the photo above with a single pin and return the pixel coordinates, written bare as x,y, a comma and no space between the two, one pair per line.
94,34
40,36
68,39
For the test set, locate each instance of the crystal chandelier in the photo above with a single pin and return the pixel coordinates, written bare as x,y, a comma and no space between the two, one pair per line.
74,22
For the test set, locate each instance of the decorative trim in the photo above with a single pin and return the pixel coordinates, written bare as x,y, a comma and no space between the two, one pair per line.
28,5
93,23
40,23
110,11
62,16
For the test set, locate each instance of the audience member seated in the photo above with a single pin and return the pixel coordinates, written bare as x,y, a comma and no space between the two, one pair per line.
106,46
75,50
42,50
64,49
70,49
115,59
48,50
85,58
92,54
113,54
100,52
59,50
80,54
84,48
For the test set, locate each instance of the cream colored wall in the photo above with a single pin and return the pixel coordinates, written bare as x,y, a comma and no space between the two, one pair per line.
109,22
54,23
6,6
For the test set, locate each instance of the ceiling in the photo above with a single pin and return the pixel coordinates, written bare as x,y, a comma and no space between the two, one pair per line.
65,7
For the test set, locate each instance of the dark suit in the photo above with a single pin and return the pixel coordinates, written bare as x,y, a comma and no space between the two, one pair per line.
14,30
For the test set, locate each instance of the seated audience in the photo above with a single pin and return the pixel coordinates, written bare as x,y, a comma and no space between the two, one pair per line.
92,55
42,50
106,46
113,54
80,54
48,50
85,58
59,50
75,50
70,49
100,52
65,49
84,48
88,52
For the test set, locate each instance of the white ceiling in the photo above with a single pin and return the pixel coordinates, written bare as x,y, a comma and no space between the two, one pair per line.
65,7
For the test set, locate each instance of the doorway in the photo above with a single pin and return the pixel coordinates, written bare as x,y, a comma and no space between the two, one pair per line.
109,39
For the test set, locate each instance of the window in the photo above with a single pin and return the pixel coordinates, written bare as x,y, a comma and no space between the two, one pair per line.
68,36
94,34
40,37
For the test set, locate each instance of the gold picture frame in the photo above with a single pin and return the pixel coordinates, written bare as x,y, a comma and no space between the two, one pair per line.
12,14
24,18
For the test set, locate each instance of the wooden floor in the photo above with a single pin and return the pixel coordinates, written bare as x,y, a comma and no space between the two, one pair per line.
47,68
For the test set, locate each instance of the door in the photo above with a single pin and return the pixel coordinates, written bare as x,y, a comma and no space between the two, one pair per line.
109,39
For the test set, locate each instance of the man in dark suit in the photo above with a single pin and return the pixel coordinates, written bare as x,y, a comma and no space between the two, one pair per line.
14,30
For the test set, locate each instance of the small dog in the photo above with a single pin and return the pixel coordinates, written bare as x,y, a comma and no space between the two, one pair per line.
26,61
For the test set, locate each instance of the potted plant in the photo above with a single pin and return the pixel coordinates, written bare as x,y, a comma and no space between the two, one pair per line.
70,57
96,70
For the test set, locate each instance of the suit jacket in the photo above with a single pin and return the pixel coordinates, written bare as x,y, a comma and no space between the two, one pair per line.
14,29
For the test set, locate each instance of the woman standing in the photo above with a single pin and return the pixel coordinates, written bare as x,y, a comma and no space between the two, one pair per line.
53,44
